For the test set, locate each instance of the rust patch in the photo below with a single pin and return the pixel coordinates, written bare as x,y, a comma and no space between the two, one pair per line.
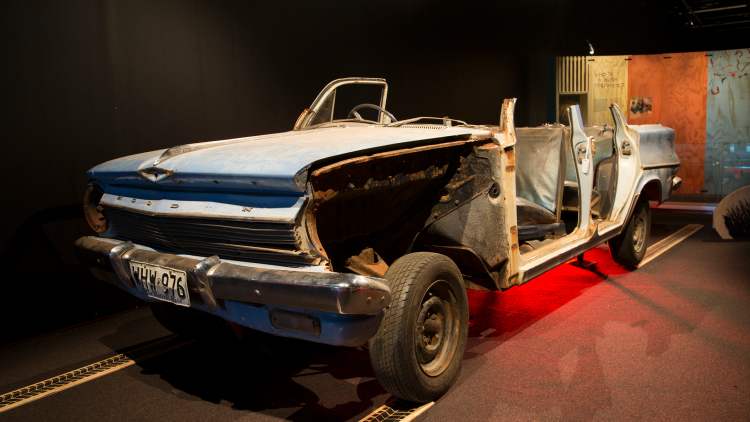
487,146
510,155
325,195
312,231
156,174
367,263
514,280
485,137
513,230
510,169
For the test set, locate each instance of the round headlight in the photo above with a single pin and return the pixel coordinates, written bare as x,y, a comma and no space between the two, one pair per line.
91,208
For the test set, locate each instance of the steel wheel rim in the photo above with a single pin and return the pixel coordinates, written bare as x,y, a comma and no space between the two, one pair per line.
639,231
436,329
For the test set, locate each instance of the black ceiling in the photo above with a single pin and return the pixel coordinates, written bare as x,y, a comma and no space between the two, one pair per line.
708,24
715,16
644,26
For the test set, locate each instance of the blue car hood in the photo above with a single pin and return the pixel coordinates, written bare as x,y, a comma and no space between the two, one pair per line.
274,163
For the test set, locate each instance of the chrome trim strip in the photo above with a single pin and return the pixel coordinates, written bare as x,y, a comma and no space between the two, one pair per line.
118,264
662,165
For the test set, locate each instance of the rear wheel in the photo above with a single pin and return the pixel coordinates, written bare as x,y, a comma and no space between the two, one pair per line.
417,352
629,247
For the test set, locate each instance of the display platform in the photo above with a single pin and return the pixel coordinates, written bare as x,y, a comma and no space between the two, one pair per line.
667,341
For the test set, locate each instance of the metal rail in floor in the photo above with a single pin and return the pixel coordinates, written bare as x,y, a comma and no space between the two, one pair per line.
89,372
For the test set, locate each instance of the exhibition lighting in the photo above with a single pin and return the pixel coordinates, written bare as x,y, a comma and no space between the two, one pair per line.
720,8
591,47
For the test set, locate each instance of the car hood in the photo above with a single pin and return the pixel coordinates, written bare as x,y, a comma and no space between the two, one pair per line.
274,163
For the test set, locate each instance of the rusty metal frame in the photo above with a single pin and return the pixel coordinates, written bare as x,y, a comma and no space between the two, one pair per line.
506,139
322,196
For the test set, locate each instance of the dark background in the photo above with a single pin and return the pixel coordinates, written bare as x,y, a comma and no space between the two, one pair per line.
86,81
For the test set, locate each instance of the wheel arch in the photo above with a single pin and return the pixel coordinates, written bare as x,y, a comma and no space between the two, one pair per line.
652,190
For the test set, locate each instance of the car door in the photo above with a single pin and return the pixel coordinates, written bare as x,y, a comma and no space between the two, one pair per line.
626,144
582,152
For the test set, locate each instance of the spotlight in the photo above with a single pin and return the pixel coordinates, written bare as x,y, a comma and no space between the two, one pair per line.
591,47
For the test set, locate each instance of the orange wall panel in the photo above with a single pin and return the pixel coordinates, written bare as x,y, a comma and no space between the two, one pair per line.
646,78
685,112
677,87
685,105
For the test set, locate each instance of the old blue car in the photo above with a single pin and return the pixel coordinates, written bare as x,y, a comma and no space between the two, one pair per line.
348,230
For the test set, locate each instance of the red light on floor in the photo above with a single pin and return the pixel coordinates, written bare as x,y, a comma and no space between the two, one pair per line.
500,315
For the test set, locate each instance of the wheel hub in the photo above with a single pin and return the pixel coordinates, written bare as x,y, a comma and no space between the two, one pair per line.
639,232
430,329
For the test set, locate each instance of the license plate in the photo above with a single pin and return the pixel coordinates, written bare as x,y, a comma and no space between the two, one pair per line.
161,283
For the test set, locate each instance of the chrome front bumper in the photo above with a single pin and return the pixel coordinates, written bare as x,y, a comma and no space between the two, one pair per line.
323,307
211,280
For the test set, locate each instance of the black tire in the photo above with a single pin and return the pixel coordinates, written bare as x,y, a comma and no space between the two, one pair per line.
187,322
417,352
629,247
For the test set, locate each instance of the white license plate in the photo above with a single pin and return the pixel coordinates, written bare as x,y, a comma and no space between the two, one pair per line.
161,283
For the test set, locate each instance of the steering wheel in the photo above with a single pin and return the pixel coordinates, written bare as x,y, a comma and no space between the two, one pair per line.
354,114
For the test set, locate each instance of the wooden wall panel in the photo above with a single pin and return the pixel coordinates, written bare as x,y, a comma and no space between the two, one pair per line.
608,83
647,75
727,120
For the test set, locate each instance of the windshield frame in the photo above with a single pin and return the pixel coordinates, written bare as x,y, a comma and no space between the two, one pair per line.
307,116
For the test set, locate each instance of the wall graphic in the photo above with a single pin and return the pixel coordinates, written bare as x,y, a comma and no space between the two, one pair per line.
728,121
640,105
732,215
608,83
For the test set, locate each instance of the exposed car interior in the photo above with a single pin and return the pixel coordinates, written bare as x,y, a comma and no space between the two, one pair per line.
547,198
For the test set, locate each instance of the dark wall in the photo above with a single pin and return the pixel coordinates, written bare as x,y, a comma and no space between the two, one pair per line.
86,81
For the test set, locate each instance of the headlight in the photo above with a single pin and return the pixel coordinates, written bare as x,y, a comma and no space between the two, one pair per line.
91,208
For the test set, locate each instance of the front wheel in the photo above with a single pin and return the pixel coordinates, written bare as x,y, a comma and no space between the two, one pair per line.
417,353
629,247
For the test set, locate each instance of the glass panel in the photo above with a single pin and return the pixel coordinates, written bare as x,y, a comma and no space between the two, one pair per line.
350,96
325,114
733,166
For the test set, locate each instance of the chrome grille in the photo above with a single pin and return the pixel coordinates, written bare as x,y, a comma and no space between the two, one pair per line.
211,236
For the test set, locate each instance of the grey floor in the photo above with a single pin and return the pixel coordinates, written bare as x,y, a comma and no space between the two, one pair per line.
669,341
